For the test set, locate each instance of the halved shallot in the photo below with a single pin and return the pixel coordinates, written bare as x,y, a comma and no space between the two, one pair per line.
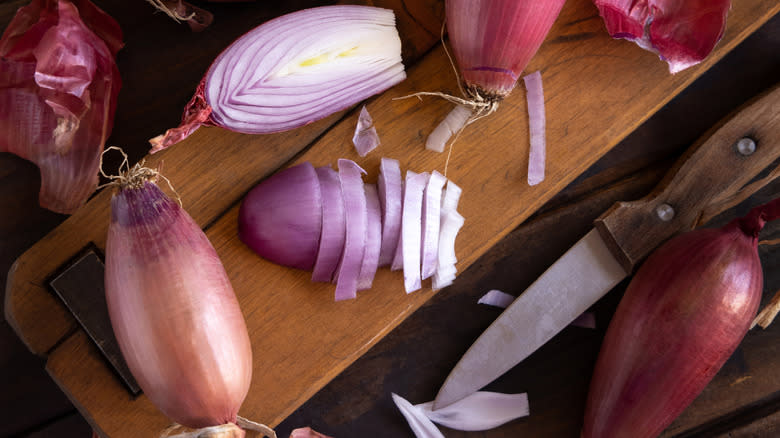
294,70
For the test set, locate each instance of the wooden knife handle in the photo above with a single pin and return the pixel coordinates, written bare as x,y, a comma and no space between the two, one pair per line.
713,168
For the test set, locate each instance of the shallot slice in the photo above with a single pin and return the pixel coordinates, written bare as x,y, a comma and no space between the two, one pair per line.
450,197
365,138
452,222
536,127
431,223
281,219
420,424
482,410
497,298
451,125
373,239
333,226
411,232
350,177
390,188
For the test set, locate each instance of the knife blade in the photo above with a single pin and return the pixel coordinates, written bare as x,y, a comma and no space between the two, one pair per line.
706,179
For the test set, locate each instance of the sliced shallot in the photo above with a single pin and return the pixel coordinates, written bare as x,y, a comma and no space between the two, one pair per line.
390,186
281,219
365,138
373,239
350,177
536,127
431,223
411,229
333,226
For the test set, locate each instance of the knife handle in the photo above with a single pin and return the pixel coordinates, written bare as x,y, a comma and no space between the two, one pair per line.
712,170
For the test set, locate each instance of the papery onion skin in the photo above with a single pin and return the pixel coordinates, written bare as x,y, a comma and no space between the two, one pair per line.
174,313
683,33
276,77
281,218
493,40
684,313
59,86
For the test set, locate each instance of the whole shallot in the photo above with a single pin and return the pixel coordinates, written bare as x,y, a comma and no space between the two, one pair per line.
684,313
173,310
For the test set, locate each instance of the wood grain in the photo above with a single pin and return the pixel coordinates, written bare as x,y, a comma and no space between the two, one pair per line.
585,126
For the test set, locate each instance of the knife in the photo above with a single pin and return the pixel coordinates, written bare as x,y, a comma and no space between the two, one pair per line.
707,179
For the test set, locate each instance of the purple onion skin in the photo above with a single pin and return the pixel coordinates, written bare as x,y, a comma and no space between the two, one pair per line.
684,313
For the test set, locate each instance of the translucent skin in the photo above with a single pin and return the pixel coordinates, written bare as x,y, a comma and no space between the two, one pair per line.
684,313
58,92
173,310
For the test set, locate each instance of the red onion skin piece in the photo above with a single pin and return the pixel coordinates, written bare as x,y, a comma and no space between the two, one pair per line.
350,176
683,33
58,93
390,188
333,226
373,239
173,310
281,218
493,40
684,313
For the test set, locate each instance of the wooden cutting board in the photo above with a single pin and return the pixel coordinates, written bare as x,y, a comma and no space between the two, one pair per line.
597,91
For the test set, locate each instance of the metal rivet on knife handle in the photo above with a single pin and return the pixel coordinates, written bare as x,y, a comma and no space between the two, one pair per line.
665,212
713,171
746,146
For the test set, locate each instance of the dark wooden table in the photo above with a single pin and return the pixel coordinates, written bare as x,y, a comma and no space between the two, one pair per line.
414,359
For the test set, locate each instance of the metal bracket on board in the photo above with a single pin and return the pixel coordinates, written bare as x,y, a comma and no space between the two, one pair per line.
81,288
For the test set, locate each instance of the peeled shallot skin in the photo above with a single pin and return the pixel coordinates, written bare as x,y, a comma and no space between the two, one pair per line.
683,33
173,310
684,313
58,93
